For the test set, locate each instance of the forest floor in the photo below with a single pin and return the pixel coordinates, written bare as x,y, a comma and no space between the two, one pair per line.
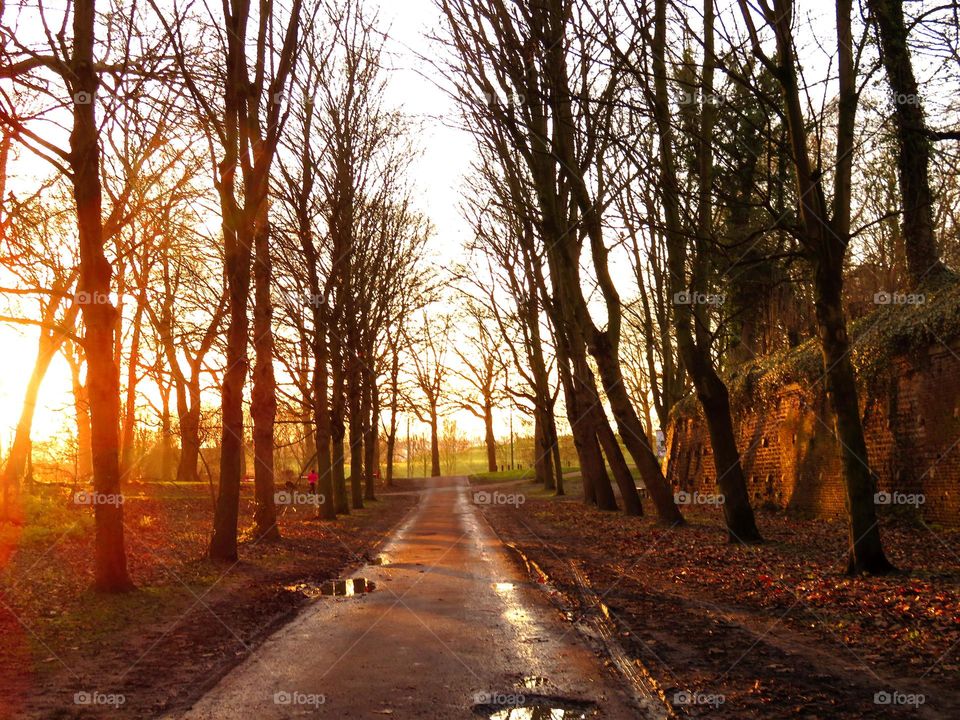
772,631
67,652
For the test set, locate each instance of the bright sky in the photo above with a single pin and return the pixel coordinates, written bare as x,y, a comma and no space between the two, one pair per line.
438,176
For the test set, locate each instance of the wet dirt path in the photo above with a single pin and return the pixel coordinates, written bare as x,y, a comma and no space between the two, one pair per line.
452,628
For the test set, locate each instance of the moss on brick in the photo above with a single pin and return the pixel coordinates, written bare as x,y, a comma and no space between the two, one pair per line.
877,339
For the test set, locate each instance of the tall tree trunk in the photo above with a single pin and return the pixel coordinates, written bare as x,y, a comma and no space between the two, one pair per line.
166,434
489,440
338,428
47,348
189,417
866,550
223,545
618,464
557,463
913,157
99,315
394,411
263,406
826,239
357,422
597,489
540,457
81,407
711,391
372,415
321,419
130,406
553,473
434,441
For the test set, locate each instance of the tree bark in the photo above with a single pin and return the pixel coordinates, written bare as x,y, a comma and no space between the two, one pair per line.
372,415
130,406
711,391
81,408
489,440
434,441
826,238
394,411
338,428
913,156
99,315
355,399
187,467
263,405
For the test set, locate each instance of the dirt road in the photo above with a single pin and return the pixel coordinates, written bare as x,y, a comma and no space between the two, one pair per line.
453,629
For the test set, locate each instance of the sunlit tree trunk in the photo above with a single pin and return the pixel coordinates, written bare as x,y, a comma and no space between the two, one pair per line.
130,405
99,314
371,415
263,406
48,345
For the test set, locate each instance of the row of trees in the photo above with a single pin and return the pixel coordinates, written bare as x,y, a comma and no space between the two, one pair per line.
227,185
690,144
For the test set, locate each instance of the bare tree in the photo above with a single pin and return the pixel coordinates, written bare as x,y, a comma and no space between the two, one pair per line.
824,230
431,370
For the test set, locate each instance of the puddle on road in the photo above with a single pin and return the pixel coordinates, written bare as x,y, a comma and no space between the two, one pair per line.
532,682
347,587
537,708
540,712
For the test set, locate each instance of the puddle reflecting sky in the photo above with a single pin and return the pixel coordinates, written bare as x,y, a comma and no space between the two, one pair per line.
347,587
538,713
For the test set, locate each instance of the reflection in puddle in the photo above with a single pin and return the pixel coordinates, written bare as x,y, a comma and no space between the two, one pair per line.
541,707
347,587
503,587
539,712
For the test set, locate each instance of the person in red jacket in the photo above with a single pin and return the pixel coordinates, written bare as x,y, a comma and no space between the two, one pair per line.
312,479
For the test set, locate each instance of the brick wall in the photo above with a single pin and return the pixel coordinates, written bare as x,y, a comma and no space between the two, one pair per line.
789,453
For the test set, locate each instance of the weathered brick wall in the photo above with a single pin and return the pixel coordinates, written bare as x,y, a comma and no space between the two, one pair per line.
789,451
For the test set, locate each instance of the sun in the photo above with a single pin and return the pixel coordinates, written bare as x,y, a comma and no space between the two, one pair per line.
54,403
